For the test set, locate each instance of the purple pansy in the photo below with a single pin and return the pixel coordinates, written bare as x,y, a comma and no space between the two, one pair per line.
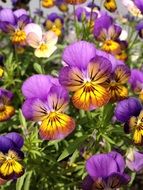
11,155
127,108
85,74
130,112
46,102
105,171
105,29
14,22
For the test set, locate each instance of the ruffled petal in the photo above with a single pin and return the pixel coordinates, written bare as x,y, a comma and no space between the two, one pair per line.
34,28
37,86
101,166
16,138
79,54
7,15
127,108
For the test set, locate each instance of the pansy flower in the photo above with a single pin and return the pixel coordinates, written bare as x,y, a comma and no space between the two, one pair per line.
105,171
134,160
62,5
6,109
55,23
86,74
46,102
45,44
136,81
83,14
47,3
130,112
11,156
110,5
14,22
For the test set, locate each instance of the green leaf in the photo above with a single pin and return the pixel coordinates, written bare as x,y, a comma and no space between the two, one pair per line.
71,148
28,180
108,113
38,68
20,182
22,119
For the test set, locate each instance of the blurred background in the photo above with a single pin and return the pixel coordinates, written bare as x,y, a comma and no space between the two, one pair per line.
34,4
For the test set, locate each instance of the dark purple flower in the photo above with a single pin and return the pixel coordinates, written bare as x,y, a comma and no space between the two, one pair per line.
130,112
46,102
139,4
134,160
11,155
105,29
105,171
139,28
127,108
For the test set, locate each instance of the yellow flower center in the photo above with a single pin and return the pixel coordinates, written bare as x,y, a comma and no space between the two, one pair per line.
18,37
56,30
6,112
111,46
43,47
9,165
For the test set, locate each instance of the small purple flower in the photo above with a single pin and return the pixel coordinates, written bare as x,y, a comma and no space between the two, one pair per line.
55,23
139,4
14,22
46,102
10,156
134,160
105,29
105,171
85,12
130,112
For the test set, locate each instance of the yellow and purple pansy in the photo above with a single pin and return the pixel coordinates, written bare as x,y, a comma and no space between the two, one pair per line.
11,156
46,102
130,112
105,171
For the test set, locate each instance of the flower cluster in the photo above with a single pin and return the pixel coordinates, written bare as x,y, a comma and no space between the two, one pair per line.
73,108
